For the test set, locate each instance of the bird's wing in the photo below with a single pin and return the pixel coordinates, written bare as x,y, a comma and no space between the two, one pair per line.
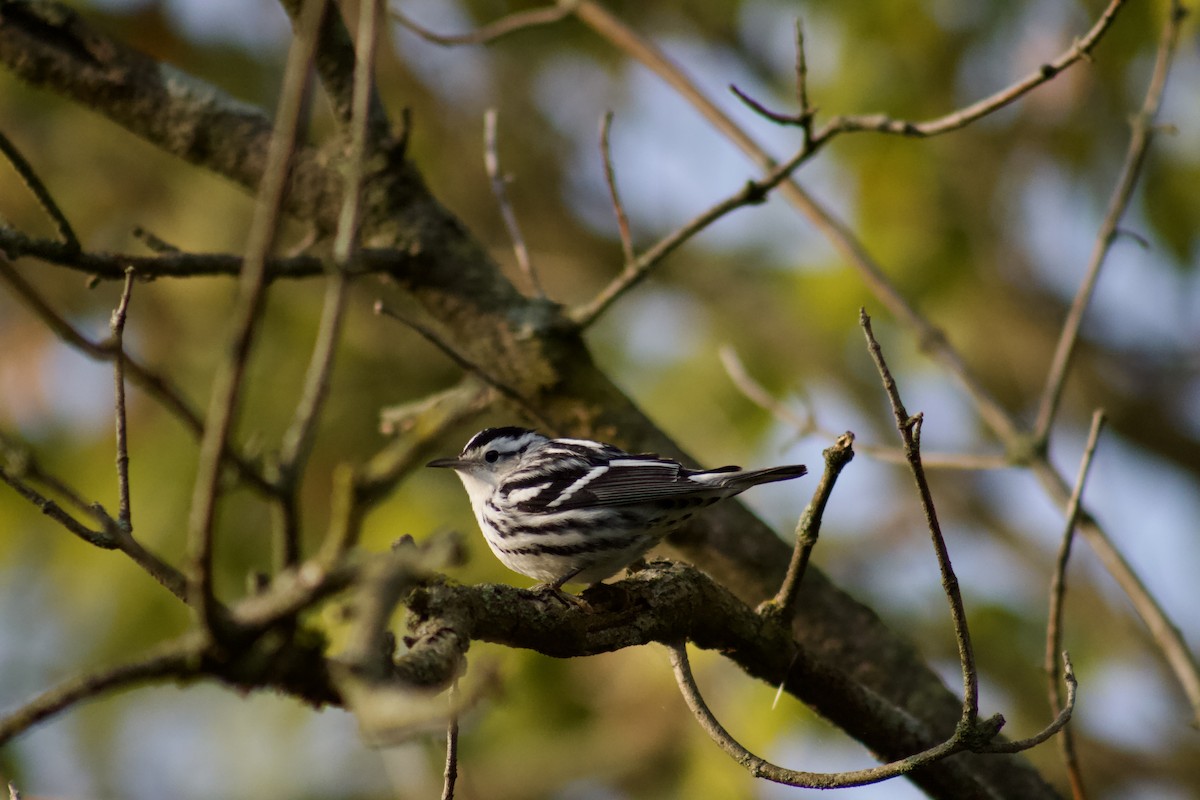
621,481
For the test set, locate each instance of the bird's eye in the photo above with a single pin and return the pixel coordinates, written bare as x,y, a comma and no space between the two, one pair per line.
491,456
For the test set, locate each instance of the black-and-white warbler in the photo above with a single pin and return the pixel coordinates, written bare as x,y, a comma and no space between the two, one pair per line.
576,511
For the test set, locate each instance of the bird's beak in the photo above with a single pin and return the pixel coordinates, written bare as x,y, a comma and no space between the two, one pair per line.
449,463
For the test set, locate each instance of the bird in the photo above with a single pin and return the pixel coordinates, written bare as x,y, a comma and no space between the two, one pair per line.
577,511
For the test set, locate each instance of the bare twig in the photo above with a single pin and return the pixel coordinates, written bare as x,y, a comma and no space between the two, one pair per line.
910,431
1135,157
111,535
169,264
46,200
98,538
809,526
450,774
1057,724
761,768
512,23
227,383
1080,50
499,181
117,324
803,118
806,112
336,64
21,463
610,179
1058,593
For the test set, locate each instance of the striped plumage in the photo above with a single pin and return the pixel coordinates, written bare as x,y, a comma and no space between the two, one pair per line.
577,511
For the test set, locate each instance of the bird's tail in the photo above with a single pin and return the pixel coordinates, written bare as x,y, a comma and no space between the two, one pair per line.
740,479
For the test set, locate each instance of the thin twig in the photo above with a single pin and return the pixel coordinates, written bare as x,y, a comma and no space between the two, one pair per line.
98,538
1058,596
227,383
910,432
610,179
1080,50
808,528
807,112
1059,723
46,200
22,464
450,774
499,181
512,23
110,535
117,324
779,118
1131,169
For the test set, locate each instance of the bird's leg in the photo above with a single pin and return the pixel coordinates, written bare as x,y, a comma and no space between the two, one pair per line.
555,590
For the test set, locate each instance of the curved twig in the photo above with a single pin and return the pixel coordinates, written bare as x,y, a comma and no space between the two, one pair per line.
761,768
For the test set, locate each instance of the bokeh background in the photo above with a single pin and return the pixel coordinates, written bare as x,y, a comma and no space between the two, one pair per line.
986,231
